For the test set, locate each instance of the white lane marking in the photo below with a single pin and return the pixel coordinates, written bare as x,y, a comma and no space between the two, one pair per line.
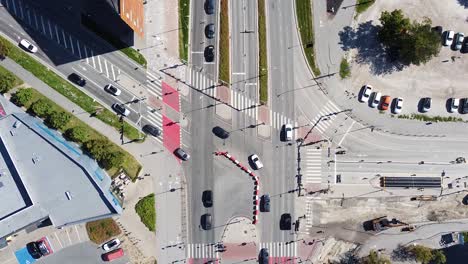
29,16
107,70
68,234
86,54
50,29
21,9
14,7
238,73
99,62
334,172
64,39
92,58
78,46
58,239
35,20
42,24
56,34
347,131
113,73
71,43
77,233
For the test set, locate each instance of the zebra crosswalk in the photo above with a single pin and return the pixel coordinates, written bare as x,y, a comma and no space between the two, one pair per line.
327,119
198,80
312,160
202,251
309,216
280,249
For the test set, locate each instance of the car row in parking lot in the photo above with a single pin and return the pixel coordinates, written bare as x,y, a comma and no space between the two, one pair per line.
457,41
383,103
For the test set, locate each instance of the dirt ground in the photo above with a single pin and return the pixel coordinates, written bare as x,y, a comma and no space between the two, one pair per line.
441,78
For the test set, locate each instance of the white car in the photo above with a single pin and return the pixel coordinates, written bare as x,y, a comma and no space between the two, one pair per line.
454,104
111,244
459,40
398,105
120,109
376,99
28,45
112,90
257,164
365,93
449,35
288,132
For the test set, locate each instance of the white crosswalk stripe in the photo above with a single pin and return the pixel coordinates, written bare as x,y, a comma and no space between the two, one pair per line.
312,163
278,120
280,249
309,212
202,251
326,120
201,82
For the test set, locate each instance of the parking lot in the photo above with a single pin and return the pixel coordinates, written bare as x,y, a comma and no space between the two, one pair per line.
441,78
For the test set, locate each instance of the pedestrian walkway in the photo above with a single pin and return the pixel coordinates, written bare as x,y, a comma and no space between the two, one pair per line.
197,251
198,80
312,165
327,115
280,249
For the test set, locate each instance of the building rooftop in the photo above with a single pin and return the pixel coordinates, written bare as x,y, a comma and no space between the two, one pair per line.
44,176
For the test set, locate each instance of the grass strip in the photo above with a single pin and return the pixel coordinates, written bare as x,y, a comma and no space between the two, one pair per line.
147,212
130,52
184,13
130,165
363,5
345,70
426,118
68,90
224,71
306,29
103,230
262,49
6,74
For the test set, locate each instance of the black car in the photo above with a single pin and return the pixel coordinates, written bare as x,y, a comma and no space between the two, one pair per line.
207,198
426,104
206,221
209,31
181,154
209,7
464,48
152,130
220,132
463,106
265,203
285,222
209,53
77,79
33,250
263,257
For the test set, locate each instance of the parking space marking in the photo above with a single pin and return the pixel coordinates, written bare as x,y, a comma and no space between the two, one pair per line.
77,233
113,73
29,16
10,260
92,58
42,24
79,50
35,19
107,70
50,29
64,39
86,53
21,9
58,239
56,34
71,43
14,7
68,234
99,62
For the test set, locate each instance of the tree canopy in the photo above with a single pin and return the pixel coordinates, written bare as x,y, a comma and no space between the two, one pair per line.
406,41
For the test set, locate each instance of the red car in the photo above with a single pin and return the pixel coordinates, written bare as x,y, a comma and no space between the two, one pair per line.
385,102
114,254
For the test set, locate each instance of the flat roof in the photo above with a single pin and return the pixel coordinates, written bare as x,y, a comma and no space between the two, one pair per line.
43,175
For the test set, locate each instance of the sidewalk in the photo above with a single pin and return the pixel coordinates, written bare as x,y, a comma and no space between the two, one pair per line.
129,219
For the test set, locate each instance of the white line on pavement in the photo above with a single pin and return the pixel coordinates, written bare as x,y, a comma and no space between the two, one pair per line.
347,131
113,73
79,50
35,20
198,52
68,234
107,70
71,43
238,73
77,233
99,62
58,239
334,178
56,34
50,29
64,39
42,23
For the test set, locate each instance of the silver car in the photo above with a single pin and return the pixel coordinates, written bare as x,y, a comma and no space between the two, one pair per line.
459,40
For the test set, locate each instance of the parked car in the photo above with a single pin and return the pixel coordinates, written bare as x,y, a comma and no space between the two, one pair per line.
206,221
151,130
111,244
209,53
28,46
449,35
220,132
398,105
33,250
385,102
209,31
77,79
464,48
112,90
265,203
255,161
181,154
366,91
376,99
285,222
464,106
120,109
207,198
426,104
114,254
209,7
459,40
288,132
454,104
263,257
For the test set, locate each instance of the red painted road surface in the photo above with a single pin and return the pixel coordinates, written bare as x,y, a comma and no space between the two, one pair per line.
171,132
170,96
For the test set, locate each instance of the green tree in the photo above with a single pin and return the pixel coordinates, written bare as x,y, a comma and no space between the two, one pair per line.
438,257
406,41
7,81
41,107
113,159
421,253
78,134
22,96
97,148
58,120
375,258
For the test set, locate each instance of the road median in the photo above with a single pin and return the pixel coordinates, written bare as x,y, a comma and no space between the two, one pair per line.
306,30
224,48
262,49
